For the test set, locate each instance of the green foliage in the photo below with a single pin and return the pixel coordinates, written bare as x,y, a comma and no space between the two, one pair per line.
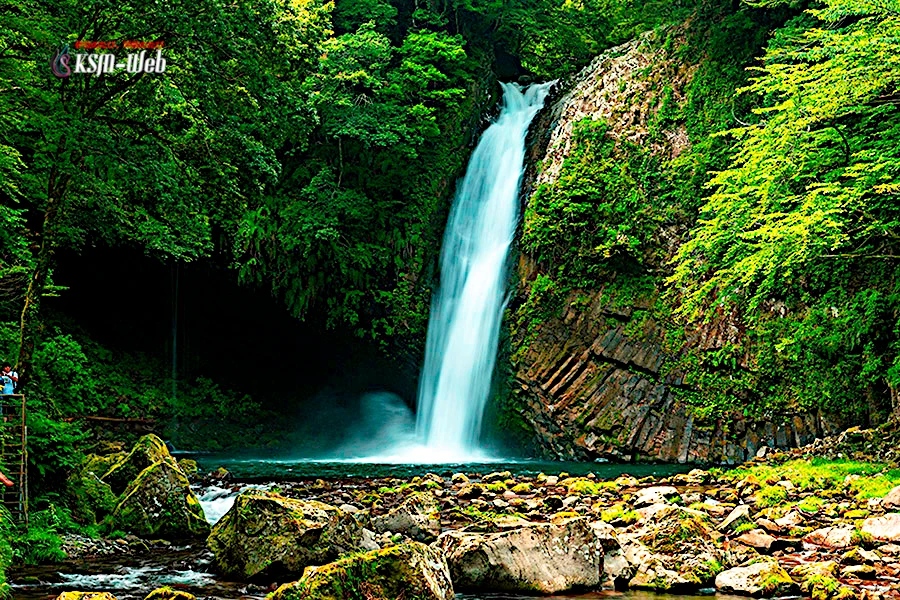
770,495
40,542
798,232
6,554
553,38
598,215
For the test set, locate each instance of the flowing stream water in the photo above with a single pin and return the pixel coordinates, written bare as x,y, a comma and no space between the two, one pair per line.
466,311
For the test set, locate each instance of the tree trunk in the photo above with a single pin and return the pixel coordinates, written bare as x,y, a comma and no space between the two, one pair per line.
30,322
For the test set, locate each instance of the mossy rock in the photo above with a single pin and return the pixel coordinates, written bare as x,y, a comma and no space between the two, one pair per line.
417,517
90,499
412,571
167,593
265,534
100,465
763,579
160,503
149,450
85,596
189,467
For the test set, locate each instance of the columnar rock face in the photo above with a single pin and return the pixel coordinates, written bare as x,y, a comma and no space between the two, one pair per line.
595,379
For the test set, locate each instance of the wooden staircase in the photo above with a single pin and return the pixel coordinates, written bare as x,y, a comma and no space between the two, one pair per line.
14,455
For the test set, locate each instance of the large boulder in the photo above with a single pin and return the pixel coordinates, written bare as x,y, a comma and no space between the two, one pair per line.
892,500
546,558
653,495
418,517
91,498
738,517
841,536
265,533
148,451
160,502
412,570
764,578
885,528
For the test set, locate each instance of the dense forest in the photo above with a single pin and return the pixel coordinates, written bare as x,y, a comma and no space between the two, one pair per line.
307,151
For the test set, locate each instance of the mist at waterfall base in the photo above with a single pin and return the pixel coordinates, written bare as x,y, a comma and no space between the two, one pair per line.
466,310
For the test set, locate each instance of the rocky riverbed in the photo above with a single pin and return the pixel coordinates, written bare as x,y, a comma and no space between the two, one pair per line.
819,522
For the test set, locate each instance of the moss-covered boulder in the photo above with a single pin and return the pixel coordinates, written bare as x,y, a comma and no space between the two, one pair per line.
85,596
545,558
91,498
412,571
160,503
167,593
265,533
762,579
674,548
148,451
417,517
189,467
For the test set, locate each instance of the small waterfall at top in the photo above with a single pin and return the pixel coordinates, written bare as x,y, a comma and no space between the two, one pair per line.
466,311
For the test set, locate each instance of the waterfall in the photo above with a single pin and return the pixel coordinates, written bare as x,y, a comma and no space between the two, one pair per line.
467,309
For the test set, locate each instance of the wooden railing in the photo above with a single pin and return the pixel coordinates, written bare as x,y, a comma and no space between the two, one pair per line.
14,455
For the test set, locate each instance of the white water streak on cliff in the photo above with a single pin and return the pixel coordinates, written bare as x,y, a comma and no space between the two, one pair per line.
466,311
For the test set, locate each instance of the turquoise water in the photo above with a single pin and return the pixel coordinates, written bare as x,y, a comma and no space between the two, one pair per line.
250,468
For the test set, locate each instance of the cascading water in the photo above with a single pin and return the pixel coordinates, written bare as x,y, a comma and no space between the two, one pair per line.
466,311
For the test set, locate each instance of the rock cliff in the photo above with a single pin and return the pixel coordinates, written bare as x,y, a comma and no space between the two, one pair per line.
597,377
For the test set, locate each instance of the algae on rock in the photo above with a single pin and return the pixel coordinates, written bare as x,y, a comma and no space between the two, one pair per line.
160,502
265,533
412,571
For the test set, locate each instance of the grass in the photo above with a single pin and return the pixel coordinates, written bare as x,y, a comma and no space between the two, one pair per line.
875,479
770,495
618,512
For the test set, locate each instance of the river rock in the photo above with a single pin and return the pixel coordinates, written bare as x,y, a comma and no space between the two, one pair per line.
885,529
860,556
892,500
737,517
418,517
764,578
859,571
674,547
653,495
547,558
758,539
167,593
840,536
497,476
148,451
85,596
160,502
617,569
412,570
469,491
791,520
266,533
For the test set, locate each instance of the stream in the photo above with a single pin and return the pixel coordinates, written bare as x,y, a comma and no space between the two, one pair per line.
190,568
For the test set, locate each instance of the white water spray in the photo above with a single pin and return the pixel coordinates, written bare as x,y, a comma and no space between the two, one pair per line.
466,312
